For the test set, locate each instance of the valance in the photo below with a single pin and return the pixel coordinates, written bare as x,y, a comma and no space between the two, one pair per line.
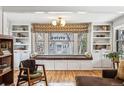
72,27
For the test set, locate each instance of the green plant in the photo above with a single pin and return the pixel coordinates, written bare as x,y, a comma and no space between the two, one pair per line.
114,56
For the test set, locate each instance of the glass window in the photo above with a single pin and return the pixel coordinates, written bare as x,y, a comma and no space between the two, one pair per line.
120,40
61,43
39,43
82,42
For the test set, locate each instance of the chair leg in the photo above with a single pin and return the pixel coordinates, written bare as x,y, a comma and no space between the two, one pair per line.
19,76
28,76
29,84
18,81
45,76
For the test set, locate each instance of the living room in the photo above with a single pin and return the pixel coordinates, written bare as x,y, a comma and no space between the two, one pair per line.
71,45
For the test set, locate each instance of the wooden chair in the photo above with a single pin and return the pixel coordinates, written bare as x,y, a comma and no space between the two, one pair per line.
29,73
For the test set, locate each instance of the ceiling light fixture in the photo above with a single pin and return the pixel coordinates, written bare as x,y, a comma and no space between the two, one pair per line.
59,22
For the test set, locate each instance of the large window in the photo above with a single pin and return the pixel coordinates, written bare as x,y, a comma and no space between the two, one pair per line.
120,40
60,43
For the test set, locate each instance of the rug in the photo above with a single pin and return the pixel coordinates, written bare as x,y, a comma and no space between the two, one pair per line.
52,84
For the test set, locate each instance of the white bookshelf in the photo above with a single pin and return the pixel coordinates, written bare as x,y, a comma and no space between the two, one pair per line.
21,33
101,38
22,42
101,45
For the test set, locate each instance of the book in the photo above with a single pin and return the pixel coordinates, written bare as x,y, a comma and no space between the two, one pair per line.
1,52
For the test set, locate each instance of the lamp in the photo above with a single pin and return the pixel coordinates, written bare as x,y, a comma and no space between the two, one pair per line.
59,22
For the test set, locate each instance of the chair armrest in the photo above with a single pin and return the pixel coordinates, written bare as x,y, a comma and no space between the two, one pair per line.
24,68
109,73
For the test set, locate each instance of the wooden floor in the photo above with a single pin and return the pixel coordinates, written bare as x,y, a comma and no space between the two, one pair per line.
62,76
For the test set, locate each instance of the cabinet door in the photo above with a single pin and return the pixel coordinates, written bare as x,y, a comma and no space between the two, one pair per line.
96,60
106,62
73,65
49,64
24,55
60,65
17,60
86,65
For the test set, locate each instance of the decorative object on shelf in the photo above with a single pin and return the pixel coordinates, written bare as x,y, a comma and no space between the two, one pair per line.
20,35
88,54
34,54
6,52
59,22
20,28
1,52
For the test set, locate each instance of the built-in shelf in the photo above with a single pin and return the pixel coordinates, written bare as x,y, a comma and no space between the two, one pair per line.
101,37
21,37
101,31
7,55
101,43
5,72
22,42
6,60
19,31
21,34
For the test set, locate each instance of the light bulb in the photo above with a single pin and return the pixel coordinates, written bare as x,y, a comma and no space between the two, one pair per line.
54,23
63,22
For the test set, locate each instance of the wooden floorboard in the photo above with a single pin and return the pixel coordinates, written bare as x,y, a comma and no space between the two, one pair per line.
66,75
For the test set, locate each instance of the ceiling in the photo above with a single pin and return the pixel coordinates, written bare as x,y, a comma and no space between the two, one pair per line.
71,14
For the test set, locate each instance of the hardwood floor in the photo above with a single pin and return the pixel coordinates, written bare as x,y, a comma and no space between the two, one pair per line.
66,76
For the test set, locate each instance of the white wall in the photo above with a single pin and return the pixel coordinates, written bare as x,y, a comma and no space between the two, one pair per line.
0,20
118,21
6,24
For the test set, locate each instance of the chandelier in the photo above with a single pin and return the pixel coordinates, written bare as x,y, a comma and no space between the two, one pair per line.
59,22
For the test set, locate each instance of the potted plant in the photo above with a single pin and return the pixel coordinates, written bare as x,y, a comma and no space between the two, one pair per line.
114,56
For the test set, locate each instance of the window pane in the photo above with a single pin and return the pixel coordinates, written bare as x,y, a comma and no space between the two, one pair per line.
61,36
120,40
62,48
39,37
60,43
39,43
39,47
82,42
